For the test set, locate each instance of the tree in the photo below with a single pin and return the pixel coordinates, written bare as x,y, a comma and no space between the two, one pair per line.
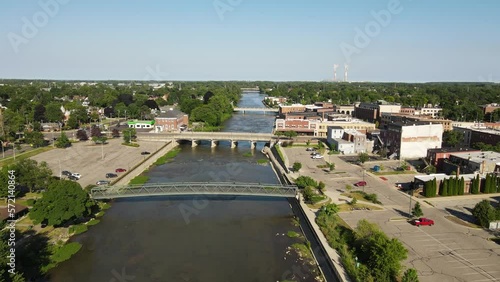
63,141
39,113
290,134
205,114
304,181
331,166
82,135
452,138
321,186
64,201
329,209
417,210
95,131
29,174
297,166
53,112
115,133
308,193
207,96
35,138
484,213
363,157
128,134
410,275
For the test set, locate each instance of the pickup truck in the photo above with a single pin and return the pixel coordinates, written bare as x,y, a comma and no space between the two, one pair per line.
423,221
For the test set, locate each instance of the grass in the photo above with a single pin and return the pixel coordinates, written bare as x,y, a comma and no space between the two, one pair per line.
167,157
360,195
140,179
93,222
348,207
26,155
323,166
278,149
318,206
78,229
60,254
303,250
104,206
292,234
131,144
247,154
461,222
262,161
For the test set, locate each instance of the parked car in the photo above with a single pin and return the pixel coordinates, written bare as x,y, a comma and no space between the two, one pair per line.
360,183
423,221
74,178
120,170
76,175
102,182
310,149
145,153
111,175
65,172
318,156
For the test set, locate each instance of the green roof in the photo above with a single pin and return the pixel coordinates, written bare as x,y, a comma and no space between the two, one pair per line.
151,122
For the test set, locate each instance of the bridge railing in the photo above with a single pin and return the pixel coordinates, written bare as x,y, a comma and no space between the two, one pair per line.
194,188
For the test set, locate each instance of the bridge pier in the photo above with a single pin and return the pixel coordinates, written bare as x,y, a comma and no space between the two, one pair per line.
214,143
233,144
194,143
253,144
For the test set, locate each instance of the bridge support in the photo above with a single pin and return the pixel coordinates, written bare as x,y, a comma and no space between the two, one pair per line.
194,143
233,144
253,144
214,143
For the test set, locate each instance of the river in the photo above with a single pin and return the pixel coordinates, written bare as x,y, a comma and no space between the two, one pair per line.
196,239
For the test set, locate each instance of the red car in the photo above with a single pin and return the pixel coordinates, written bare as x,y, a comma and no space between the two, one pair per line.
360,183
120,170
423,221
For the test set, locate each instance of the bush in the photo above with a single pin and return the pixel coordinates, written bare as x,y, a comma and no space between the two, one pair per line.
304,181
297,166
321,186
484,213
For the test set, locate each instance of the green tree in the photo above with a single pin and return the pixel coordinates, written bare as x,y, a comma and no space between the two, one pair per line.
128,134
410,275
484,213
205,114
417,210
321,186
290,134
63,141
331,166
35,138
475,185
308,193
304,181
63,201
363,157
329,209
297,166
53,112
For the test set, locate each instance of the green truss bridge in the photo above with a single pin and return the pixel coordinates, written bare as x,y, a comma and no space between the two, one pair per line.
194,188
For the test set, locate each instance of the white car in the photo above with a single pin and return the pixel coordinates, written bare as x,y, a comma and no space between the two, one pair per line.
76,175
317,157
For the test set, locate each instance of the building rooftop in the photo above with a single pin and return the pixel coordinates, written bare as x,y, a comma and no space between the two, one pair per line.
170,113
441,176
479,157
353,132
342,141
450,150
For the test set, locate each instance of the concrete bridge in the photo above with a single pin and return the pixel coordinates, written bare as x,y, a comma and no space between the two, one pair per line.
255,89
213,137
264,110
195,188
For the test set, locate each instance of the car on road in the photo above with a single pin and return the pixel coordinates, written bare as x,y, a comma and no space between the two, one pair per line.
76,175
318,156
145,153
111,175
102,182
65,172
360,184
423,221
120,170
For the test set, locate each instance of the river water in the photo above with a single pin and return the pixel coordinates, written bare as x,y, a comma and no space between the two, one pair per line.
196,239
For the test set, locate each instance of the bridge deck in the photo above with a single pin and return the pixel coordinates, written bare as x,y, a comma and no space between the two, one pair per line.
194,188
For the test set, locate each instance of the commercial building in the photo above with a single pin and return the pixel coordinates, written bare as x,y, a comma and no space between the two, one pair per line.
171,120
291,108
348,141
372,112
387,118
411,140
141,123
473,162
478,134
436,157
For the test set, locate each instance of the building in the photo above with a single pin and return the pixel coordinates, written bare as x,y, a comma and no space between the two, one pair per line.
420,180
170,119
355,124
372,112
301,126
387,118
478,133
436,157
19,211
348,141
411,140
490,108
472,162
292,108
275,100
343,146
141,123
344,109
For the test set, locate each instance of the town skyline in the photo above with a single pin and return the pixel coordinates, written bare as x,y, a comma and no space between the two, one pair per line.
384,41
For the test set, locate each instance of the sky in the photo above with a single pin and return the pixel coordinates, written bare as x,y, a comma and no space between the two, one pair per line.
278,40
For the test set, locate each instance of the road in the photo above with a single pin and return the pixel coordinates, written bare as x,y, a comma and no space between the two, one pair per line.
444,252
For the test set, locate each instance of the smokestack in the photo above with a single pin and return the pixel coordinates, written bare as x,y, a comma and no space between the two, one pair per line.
335,72
346,69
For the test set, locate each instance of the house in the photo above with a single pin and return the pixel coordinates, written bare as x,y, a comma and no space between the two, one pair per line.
19,212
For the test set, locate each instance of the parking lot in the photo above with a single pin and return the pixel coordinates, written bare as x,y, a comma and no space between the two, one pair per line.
443,252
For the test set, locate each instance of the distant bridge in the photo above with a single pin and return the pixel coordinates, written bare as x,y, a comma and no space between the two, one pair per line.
213,137
264,110
194,188
255,89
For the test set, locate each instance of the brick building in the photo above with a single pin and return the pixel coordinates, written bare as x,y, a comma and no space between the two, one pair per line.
171,120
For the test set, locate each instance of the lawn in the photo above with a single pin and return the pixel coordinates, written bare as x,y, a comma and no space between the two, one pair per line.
29,154
348,207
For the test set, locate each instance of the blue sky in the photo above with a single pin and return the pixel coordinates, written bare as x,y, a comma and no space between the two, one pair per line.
425,40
